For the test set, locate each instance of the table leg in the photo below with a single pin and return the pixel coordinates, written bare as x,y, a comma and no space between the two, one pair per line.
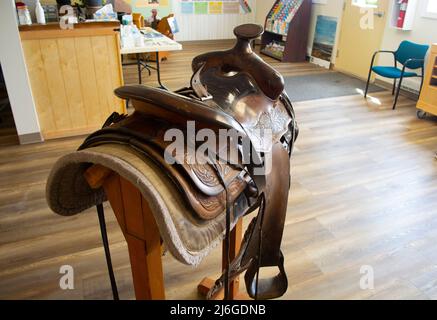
158,72
139,68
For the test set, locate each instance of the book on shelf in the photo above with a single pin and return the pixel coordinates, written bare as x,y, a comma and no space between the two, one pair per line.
287,26
279,18
275,48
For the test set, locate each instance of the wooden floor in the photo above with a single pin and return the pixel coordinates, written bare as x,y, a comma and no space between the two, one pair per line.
364,194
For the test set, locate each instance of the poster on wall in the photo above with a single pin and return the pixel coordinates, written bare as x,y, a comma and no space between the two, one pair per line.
214,7
187,7
151,3
324,40
231,7
201,7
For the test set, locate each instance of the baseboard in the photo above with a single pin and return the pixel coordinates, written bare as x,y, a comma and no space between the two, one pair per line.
405,91
29,138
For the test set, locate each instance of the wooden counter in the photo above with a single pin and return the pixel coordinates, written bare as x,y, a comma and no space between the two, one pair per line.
73,74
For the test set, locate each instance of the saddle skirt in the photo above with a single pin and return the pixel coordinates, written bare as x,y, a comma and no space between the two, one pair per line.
198,191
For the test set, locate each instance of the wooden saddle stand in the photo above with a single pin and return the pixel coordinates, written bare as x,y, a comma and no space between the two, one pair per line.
145,248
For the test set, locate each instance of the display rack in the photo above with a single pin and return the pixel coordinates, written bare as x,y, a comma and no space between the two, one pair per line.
286,30
402,14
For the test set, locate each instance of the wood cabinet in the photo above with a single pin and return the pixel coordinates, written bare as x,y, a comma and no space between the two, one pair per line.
73,74
428,97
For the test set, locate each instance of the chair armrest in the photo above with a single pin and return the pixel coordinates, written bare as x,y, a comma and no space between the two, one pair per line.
385,51
382,51
412,60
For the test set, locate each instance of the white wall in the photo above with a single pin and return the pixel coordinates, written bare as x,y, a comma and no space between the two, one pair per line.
424,32
262,9
210,27
15,73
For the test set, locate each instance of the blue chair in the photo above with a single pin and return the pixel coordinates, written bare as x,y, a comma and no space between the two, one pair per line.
410,55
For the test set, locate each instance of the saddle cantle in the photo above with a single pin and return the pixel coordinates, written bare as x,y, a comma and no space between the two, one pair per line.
196,196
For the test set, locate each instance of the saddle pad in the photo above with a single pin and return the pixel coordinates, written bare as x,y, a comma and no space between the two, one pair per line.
189,239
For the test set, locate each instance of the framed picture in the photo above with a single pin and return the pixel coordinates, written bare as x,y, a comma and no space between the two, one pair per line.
324,38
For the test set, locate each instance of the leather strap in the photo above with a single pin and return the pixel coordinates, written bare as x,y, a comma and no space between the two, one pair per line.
270,220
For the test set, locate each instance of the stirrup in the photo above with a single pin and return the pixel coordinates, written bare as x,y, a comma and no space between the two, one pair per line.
270,288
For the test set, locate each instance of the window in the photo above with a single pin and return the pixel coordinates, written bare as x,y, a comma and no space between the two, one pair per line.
365,3
430,9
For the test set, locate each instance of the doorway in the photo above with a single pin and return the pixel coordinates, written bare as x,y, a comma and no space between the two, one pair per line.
361,33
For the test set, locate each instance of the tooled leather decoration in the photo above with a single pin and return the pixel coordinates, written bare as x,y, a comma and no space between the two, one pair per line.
233,89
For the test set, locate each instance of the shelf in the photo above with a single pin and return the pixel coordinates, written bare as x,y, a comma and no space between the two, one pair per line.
397,28
288,23
276,34
272,55
280,16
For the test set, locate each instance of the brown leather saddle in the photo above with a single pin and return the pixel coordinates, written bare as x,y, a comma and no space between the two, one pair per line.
236,96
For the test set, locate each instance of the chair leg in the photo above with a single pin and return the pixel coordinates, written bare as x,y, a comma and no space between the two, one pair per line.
368,82
397,93
394,87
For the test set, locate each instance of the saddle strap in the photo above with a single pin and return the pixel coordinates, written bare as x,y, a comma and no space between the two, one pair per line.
261,246
227,230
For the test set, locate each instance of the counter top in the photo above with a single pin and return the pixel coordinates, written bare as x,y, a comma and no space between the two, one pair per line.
53,30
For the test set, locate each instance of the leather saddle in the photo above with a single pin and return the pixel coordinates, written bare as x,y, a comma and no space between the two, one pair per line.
237,105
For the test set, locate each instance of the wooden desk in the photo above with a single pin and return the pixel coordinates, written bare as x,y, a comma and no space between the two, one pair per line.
73,74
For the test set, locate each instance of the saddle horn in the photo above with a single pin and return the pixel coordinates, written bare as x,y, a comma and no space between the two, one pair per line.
242,59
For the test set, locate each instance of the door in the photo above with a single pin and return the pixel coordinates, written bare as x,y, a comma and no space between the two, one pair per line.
362,29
